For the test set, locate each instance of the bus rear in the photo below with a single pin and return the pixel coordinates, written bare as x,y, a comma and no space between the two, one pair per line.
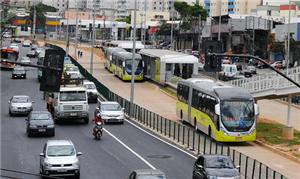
10,55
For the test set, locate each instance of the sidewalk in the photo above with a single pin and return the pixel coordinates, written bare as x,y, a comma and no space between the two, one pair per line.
149,96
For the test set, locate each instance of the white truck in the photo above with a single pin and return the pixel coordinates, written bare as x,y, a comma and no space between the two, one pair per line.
70,103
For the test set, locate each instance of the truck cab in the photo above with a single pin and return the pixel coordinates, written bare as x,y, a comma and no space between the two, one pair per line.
71,102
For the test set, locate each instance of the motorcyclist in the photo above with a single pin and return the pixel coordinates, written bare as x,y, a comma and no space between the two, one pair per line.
98,124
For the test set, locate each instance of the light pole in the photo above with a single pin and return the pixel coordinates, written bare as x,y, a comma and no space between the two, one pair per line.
68,40
288,40
219,34
172,25
76,30
93,40
133,59
34,20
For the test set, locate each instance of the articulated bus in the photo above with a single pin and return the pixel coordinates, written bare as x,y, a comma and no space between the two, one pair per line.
225,113
8,54
121,66
108,56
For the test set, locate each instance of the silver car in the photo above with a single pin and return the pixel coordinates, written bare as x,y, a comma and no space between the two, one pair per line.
91,90
110,111
25,60
20,105
59,158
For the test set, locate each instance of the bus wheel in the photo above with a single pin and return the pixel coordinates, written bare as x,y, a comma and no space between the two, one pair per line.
195,124
209,131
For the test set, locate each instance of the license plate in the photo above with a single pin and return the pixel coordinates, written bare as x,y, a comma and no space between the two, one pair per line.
42,130
62,170
73,114
239,138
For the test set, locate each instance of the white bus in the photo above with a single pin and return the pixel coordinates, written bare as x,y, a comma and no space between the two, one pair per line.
225,113
161,65
126,45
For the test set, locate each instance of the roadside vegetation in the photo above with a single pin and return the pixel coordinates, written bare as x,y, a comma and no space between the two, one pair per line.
270,132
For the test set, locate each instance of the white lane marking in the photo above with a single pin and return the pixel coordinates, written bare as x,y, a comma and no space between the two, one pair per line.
160,139
128,148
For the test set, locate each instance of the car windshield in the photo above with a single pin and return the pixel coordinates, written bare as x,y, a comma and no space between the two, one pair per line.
60,150
72,69
237,116
19,71
40,116
218,162
231,69
111,107
25,58
21,99
72,96
90,86
153,176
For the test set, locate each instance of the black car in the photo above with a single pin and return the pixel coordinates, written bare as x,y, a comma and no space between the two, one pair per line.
214,166
31,54
40,122
18,72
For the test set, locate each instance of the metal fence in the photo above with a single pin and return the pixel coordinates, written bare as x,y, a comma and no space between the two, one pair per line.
185,136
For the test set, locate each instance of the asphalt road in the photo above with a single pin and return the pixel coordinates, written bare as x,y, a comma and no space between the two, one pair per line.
122,149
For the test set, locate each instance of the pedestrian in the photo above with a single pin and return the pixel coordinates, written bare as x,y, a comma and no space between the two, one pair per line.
78,53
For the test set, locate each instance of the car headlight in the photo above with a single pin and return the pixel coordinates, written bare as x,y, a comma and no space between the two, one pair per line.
32,126
76,164
50,126
47,164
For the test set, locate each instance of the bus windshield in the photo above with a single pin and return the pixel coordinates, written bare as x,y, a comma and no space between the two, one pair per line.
237,116
137,63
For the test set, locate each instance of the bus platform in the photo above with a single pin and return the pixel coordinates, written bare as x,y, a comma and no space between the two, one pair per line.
150,96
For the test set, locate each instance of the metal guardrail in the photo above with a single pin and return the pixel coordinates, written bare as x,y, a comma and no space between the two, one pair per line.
268,81
185,136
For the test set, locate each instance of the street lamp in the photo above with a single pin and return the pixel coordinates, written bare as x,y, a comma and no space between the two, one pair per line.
133,59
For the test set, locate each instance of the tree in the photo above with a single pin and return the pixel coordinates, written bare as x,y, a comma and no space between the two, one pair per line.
41,9
126,19
189,13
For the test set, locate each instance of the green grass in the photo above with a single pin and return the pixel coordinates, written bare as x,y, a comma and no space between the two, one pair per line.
272,134
169,91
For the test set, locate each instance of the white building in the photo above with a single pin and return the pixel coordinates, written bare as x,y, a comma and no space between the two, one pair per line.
23,3
61,5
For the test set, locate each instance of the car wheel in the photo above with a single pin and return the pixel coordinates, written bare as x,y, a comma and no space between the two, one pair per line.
10,113
86,120
29,134
122,122
25,77
77,176
52,134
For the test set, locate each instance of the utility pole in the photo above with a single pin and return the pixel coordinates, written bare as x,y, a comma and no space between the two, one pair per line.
93,40
219,34
145,21
172,26
68,39
253,38
34,20
199,32
76,30
133,60
288,41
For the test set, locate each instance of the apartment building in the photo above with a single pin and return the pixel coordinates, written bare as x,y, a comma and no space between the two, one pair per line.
23,3
223,7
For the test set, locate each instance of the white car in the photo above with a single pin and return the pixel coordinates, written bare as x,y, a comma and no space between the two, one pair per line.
110,111
7,35
25,60
20,105
26,43
59,158
14,46
91,90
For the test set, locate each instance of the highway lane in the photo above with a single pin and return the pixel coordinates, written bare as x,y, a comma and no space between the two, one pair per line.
101,159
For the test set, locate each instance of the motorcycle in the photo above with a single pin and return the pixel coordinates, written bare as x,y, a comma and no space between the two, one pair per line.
98,130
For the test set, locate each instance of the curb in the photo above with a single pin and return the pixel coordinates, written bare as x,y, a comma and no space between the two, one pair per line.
161,89
269,147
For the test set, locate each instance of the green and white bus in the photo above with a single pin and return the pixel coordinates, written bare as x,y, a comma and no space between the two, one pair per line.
122,66
108,57
225,113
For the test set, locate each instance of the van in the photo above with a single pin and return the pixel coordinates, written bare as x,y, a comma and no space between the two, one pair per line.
229,71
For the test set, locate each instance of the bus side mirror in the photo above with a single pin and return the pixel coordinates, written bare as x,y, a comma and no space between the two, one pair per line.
256,109
217,109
